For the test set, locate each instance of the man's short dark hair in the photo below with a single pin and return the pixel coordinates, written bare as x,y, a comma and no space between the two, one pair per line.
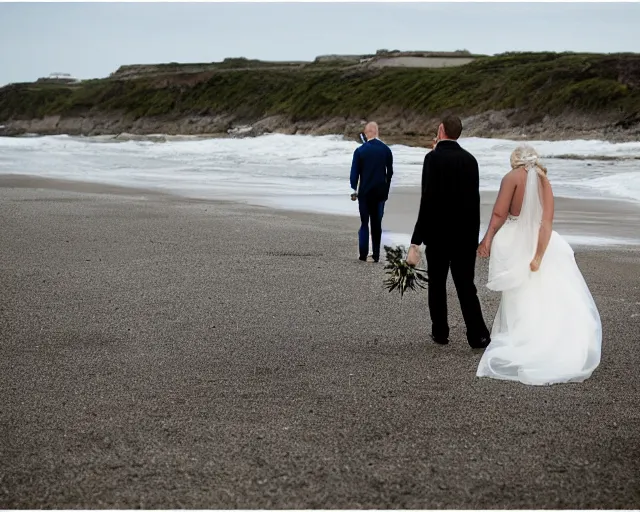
452,127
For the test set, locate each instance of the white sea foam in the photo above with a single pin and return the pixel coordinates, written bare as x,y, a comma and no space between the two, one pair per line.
301,172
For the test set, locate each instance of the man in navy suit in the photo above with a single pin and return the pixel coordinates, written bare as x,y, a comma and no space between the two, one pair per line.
371,172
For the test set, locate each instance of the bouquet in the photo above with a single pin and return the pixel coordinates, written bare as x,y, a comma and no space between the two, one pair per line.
402,276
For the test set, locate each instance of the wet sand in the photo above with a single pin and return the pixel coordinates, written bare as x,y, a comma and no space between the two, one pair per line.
159,352
594,220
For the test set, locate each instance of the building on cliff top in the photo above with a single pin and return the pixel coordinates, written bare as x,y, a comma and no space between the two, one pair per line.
58,78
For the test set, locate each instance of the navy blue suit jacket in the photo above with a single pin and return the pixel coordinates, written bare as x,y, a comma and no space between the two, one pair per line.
372,166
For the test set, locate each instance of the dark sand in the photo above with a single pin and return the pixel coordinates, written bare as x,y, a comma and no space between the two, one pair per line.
165,353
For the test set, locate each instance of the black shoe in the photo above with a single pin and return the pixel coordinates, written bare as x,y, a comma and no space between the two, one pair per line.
376,260
481,343
362,258
440,341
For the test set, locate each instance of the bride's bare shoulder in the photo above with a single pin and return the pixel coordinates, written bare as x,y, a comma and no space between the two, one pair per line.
512,177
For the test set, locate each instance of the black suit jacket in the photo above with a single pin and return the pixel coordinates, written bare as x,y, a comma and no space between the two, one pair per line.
449,214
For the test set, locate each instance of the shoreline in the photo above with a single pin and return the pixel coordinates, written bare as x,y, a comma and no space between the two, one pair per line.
584,223
412,141
416,132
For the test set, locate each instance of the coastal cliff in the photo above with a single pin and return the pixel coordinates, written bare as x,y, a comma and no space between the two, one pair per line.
517,95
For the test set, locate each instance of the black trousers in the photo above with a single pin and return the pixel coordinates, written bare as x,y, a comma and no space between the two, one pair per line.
463,266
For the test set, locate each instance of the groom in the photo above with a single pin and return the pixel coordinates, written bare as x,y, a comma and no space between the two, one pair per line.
449,224
371,172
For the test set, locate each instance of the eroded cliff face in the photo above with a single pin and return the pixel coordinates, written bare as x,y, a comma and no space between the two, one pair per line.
112,124
410,130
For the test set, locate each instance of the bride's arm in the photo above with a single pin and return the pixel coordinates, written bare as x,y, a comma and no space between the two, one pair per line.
500,213
546,226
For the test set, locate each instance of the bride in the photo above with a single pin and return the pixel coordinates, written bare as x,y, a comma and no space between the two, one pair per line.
547,329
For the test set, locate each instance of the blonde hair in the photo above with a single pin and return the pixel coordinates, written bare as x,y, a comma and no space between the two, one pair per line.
525,156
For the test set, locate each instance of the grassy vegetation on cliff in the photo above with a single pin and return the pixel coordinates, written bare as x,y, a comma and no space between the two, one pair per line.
536,83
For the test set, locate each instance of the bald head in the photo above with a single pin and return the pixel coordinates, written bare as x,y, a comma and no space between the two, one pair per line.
371,130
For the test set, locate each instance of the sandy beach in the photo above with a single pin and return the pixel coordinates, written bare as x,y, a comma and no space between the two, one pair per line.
160,352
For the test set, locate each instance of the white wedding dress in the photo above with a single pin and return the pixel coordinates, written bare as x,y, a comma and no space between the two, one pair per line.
547,329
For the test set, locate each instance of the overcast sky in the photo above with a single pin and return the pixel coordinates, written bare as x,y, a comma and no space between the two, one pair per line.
93,39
